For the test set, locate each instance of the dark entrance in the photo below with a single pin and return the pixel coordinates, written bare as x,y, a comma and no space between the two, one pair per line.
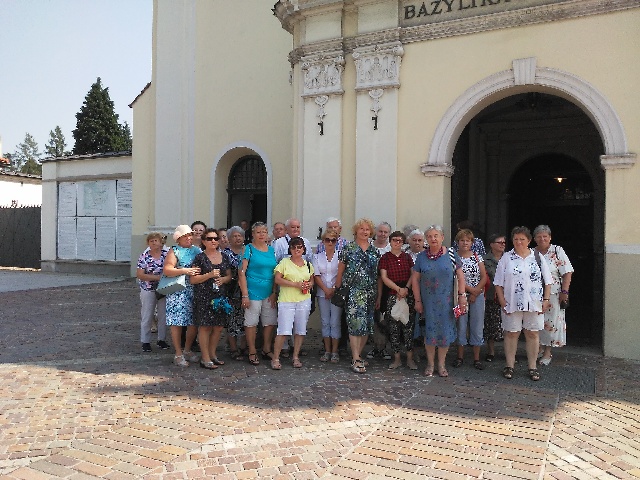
531,159
556,190
247,189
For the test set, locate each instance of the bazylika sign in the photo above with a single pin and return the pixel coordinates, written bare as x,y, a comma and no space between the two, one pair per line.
414,12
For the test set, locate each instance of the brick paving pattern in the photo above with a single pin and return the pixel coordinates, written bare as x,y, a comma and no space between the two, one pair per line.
79,400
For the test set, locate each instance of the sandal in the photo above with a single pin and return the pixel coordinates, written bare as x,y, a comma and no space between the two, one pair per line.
267,355
458,363
296,363
428,372
217,361
275,364
489,358
534,374
477,364
335,358
507,372
208,365
326,356
443,372
358,366
254,361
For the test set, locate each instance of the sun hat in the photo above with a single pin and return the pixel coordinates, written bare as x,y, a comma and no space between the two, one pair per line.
181,230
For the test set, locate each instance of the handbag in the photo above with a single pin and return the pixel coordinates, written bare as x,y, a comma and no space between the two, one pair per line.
564,304
169,285
340,296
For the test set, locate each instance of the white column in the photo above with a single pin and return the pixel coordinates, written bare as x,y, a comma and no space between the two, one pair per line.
377,81
175,110
321,145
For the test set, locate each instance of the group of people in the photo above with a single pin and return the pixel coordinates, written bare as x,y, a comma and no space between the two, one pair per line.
401,287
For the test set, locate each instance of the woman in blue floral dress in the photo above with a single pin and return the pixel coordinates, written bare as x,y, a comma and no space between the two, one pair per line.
358,269
432,281
179,261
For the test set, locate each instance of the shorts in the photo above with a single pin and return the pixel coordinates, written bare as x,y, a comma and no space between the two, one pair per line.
260,310
516,321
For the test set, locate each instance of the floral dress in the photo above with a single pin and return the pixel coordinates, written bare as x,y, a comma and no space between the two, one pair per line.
180,304
436,292
235,323
555,325
361,276
204,293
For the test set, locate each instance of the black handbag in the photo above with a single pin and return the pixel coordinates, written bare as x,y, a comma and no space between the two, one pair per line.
340,296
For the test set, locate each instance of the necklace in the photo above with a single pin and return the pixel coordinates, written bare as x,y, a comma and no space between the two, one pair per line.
434,256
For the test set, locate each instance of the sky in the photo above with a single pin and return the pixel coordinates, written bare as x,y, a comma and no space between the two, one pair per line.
52,51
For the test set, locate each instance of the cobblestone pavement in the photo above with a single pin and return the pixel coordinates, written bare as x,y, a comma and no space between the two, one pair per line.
79,400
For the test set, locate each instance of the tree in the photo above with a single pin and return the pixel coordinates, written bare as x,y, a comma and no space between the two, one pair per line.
27,158
57,144
97,128
126,134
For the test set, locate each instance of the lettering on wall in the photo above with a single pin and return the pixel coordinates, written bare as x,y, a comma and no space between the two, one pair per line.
414,12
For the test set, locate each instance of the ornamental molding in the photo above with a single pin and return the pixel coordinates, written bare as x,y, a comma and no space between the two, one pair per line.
613,162
495,21
378,66
553,81
439,170
326,48
322,74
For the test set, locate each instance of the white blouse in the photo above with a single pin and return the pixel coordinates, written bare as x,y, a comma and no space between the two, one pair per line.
327,271
521,280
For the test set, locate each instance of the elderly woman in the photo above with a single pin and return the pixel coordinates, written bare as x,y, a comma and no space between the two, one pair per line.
492,317
325,267
416,243
358,270
256,280
224,241
179,261
523,285
554,333
210,305
235,326
434,273
395,272
148,273
295,277
472,321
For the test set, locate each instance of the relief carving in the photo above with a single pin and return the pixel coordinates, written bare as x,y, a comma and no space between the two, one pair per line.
322,74
378,66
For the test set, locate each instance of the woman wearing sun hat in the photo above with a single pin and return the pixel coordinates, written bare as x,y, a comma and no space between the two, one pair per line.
179,261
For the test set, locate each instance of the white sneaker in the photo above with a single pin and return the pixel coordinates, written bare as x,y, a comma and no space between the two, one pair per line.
180,361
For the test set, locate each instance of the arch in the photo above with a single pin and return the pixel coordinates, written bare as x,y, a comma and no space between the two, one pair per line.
238,150
523,77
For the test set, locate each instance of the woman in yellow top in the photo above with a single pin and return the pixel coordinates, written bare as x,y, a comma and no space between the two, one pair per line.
294,276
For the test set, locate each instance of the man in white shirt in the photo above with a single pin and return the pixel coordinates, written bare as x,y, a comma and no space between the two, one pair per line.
281,245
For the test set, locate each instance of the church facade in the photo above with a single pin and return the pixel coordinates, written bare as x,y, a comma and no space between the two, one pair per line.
504,112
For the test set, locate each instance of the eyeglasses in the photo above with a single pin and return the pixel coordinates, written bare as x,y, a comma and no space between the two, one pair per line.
330,240
211,239
297,247
502,243
396,239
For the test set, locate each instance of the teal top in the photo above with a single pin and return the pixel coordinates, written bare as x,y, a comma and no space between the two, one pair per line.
259,272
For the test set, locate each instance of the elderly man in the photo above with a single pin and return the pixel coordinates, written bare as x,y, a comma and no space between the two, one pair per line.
334,224
281,245
279,231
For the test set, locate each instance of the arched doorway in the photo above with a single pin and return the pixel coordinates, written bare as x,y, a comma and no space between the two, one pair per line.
556,190
247,191
507,162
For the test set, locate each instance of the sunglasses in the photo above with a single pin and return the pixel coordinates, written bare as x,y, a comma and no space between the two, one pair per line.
502,243
297,247
211,239
330,240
